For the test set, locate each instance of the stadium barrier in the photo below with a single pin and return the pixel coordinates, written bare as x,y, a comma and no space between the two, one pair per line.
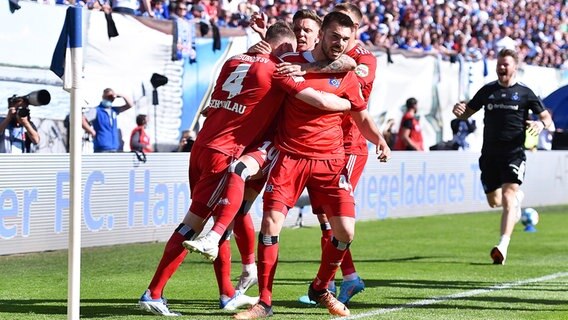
127,201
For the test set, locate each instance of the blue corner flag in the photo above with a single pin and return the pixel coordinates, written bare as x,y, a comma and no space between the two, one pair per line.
69,43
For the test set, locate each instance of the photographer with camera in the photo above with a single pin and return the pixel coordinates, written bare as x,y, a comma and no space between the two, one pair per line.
186,141
17,131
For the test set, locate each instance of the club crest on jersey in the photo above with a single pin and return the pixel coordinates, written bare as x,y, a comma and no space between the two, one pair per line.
334,82
515,96
362,70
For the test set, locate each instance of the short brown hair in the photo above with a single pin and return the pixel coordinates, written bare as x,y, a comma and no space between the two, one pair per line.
340,18
280,30
352,9
307,14
509,53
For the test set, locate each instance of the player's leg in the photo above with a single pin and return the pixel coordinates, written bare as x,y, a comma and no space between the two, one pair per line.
229,298
172,257
285,184
222,267
330,186
326,236
332,256
501,177
245,236
202,160
247,166
352,284
227,208
268,246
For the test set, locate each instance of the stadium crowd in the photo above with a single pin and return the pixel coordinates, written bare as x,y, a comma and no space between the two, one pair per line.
454,29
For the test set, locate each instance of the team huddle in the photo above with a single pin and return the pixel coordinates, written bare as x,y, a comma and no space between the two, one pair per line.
273,124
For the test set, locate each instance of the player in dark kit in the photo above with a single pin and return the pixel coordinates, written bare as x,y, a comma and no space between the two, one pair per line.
502,162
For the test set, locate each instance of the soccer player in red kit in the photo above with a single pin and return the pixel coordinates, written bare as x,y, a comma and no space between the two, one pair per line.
311,156
356,152
246,97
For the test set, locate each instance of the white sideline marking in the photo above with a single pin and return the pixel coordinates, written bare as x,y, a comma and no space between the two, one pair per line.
458,295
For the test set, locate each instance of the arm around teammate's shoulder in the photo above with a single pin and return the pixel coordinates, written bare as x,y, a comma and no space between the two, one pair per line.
323,100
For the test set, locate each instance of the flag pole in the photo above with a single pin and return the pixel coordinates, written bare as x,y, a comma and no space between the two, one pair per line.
74,14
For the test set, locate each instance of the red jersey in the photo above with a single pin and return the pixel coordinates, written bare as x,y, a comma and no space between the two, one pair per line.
410,122
247,96
143,139
354,141
310,132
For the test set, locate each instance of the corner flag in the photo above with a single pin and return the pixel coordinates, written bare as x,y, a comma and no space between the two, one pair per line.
70,40
67,63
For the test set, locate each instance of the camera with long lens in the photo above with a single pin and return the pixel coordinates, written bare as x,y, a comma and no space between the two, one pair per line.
34,98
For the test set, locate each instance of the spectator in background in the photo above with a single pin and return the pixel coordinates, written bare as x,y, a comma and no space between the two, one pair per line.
198,12
186,141
17,131
132,7
89,131
409,134
159,10
461,129
453,30
139,139
104,121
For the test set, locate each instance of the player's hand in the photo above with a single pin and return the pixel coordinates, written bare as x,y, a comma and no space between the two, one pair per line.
459,109
259,23
261,47
289,69
383,151
534,127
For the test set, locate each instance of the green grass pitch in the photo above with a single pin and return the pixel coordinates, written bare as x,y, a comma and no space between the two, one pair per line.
413,268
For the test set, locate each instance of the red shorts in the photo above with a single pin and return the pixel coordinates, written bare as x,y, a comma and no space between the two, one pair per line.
325,180
264,154
354,166
207,172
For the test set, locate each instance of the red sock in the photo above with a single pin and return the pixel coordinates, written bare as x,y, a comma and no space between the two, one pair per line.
173,256
267,262
234,194
244,237
347,266
325,238
222,266
330,261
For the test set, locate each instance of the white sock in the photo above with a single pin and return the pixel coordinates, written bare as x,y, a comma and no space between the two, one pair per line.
249,268
504,242
351,277
214,236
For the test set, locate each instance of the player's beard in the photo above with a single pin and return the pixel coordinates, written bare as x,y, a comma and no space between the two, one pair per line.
331,52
